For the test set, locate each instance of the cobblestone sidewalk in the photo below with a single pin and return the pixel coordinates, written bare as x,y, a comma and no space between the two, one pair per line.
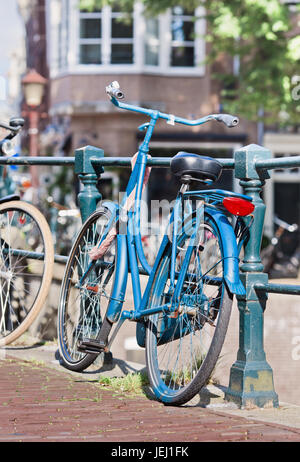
39,403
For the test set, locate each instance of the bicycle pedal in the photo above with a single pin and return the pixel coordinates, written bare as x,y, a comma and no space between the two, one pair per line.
91,346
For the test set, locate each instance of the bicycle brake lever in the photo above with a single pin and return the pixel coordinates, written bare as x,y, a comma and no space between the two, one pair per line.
143,127
7,148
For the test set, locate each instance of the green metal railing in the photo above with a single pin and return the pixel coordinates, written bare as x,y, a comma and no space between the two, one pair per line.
251,377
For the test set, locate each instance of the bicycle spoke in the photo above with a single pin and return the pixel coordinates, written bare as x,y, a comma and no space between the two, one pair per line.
23,233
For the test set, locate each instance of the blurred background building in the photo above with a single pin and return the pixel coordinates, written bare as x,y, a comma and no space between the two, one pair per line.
159,63
12,65
33,13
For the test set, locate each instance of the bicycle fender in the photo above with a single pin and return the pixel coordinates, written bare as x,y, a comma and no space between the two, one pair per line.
111,206
120,282
12,197
230,252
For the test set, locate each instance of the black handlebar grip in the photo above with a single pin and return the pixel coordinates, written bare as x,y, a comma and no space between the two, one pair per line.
229,120
16,122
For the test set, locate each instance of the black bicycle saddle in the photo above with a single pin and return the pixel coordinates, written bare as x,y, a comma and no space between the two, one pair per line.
188,166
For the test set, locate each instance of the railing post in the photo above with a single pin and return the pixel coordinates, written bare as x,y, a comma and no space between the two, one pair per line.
88,174
251,377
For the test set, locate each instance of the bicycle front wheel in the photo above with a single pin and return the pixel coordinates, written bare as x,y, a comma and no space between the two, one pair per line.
26,267
182,349
84,300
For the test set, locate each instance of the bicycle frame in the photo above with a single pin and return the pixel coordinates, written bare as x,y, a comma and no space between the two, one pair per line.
129,244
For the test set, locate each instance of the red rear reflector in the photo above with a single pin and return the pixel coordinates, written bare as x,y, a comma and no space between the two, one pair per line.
238,206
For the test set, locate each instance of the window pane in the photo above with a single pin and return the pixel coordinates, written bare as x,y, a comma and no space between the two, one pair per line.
121,28
122,53
151,54
90,54
152,42
152,28
90,28
182,31
182,56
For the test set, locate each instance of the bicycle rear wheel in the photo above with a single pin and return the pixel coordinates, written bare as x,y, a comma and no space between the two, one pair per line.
26,267
182,350
83,305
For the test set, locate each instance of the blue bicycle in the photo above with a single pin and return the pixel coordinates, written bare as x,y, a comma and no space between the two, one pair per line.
183,314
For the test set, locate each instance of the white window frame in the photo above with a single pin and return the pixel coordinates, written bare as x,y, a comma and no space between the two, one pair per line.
139,24
165,38
107,41
119,40
90,41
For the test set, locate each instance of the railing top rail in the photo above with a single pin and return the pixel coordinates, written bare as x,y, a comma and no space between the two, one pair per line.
37,160
278,162
279,288
103,161
152,162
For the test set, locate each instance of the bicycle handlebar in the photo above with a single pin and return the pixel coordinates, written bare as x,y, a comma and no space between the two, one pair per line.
15,125
285,225
115,93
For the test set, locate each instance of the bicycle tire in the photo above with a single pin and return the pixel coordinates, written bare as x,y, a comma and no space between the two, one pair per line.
23,228
176,387
75,322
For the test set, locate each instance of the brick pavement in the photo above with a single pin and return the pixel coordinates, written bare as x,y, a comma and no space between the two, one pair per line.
41,404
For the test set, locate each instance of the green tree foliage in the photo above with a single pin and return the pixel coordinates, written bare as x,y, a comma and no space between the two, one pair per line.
264,36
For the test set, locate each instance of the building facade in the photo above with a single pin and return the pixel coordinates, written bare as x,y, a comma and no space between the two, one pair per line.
159,63
33,13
